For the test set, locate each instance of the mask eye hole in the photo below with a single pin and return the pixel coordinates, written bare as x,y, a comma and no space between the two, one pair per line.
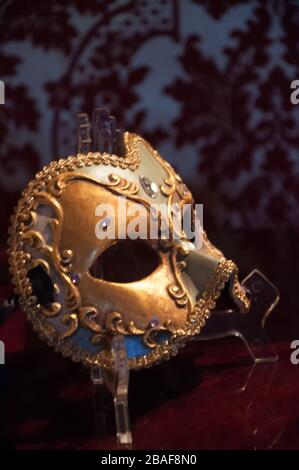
42,285
126,261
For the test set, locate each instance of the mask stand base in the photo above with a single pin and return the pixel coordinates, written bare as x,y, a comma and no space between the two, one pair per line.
248,326
117,382
102,136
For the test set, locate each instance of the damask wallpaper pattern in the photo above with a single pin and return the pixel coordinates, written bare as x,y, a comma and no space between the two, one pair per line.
207,82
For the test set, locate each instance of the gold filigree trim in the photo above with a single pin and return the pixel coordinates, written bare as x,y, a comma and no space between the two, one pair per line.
19,261
177,290
71,320
87,316
122,185
238,293
171,185
196,320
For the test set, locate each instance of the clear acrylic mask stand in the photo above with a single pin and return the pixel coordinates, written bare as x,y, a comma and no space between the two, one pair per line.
249,327
106,138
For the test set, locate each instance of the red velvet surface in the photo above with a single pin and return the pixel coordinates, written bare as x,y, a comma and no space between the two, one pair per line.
209,397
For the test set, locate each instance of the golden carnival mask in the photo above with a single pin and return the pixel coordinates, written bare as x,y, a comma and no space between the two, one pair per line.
80,290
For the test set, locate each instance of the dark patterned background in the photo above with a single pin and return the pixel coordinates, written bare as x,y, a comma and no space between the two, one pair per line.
207,82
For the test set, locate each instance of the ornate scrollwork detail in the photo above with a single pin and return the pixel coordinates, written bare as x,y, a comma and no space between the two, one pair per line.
56,187
115,323
168,187
73,298
150,336
34,239
60,261
115,183
178,294
66,258
90,318
51,310
177,290
71,320
21,257
122,185
172,185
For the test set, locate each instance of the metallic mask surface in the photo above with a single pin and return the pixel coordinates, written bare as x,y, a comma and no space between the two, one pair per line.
79,291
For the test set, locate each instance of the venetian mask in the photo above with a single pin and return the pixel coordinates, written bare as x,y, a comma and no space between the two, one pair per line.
80,289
